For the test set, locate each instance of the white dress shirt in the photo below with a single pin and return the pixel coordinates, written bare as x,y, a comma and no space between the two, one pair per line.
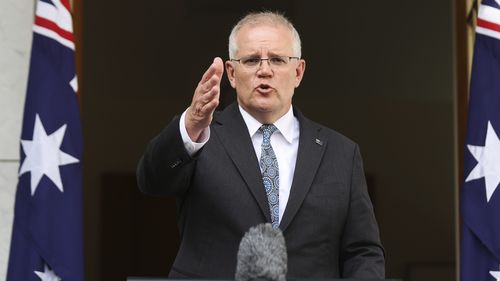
285,143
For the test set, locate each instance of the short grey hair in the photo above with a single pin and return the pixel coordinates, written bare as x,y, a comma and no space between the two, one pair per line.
264,18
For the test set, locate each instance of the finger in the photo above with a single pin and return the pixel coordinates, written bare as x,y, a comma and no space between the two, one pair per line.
208,85
209,108
209,96
201,100
208,73
219,66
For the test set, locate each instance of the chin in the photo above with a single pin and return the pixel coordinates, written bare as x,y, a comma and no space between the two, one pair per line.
266,103
263,107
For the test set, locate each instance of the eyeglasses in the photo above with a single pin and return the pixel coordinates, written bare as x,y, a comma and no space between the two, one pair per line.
255,62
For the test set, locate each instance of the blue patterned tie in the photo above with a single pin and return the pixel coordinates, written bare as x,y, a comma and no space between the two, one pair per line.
270,172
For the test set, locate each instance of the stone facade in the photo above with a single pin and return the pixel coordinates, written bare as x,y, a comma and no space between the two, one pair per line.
16,19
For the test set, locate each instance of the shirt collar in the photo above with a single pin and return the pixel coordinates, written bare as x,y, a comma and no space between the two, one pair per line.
285,124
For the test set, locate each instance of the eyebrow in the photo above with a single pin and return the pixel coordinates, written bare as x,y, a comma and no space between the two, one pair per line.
258,54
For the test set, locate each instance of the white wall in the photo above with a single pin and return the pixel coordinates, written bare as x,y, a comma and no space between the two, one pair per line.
16,19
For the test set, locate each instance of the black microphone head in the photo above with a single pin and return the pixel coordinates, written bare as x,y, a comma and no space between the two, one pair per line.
262,255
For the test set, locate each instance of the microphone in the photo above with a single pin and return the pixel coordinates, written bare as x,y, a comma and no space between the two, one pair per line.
262,255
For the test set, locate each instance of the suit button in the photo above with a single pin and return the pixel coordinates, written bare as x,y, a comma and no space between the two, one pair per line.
175,164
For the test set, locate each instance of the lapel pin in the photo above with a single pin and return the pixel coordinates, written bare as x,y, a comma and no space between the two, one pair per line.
318,141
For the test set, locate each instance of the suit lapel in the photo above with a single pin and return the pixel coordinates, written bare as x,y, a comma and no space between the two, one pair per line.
229,127
310,152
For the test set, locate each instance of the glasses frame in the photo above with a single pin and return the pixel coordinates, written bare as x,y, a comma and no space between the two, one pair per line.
288,60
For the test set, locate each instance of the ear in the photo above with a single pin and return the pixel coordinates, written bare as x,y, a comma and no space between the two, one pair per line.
230,73
299,72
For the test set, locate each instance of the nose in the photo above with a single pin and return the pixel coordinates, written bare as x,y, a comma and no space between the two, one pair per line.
264,68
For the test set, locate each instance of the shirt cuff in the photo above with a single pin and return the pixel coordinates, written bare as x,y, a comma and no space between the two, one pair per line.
191,146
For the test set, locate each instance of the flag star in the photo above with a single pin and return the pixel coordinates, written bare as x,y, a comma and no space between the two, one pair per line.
43,156
488,162
47,275
74,83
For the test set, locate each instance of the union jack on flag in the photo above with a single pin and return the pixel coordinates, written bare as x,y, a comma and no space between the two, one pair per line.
480,202
47,235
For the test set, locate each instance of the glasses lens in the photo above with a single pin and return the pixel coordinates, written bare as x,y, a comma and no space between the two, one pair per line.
278,61
250,62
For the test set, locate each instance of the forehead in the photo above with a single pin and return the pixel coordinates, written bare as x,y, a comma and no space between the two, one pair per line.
275,39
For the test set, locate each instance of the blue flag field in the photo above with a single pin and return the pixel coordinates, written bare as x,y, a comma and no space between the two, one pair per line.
480,199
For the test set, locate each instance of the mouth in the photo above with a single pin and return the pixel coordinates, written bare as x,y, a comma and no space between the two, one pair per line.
264,88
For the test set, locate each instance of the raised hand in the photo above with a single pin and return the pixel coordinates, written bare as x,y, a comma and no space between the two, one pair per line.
205,100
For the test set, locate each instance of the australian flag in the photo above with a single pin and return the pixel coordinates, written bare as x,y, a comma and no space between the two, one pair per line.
480,199
47,235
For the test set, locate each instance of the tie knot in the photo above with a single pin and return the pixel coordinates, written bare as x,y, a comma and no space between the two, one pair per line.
267,130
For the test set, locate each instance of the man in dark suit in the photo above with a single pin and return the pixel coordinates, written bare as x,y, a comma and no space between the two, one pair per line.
260,160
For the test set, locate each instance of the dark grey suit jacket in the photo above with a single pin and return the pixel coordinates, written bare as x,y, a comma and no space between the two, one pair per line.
329,226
